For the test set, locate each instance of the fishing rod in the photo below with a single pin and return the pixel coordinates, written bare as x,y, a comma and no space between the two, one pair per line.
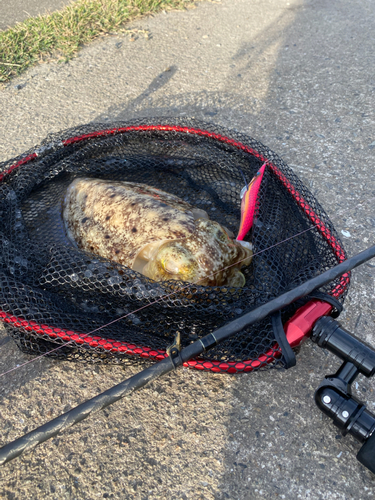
333,397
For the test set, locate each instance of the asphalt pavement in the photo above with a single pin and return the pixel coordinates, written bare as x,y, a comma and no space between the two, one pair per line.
297,75
17,11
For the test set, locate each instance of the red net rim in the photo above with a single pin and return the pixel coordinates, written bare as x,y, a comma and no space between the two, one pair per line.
110,345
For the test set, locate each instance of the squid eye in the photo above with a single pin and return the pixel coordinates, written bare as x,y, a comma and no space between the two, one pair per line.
170,266
176,260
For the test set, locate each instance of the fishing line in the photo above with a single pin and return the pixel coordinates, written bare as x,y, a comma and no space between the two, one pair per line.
141,149
84,335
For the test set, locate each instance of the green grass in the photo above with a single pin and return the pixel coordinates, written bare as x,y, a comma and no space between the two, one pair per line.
60,35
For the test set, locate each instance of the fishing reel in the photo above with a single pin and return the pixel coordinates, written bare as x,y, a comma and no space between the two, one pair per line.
334,395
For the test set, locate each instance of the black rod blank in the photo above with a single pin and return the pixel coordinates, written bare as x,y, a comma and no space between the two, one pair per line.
82,411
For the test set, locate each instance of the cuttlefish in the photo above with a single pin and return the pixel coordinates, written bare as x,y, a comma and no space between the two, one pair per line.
153,232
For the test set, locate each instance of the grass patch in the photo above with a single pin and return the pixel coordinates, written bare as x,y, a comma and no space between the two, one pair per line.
60,35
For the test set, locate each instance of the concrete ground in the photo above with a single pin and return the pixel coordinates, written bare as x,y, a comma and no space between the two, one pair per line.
299,76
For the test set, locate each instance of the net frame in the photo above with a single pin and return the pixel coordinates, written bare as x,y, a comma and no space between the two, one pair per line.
25,331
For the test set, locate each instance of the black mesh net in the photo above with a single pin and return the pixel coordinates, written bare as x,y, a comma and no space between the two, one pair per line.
52,294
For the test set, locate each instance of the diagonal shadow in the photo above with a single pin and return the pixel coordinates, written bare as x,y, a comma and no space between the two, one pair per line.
157,84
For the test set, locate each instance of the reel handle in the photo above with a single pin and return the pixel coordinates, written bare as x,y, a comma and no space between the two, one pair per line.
334,395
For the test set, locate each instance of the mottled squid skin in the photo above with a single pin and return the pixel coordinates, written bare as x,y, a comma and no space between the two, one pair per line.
153,232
